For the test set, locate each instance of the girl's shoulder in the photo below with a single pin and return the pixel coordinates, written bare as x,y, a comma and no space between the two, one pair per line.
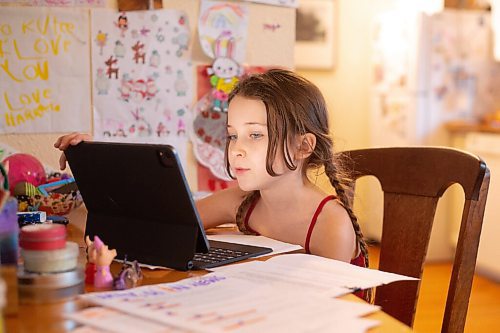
331,209
333,226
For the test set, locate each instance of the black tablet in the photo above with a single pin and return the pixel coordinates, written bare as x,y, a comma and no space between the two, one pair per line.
139,203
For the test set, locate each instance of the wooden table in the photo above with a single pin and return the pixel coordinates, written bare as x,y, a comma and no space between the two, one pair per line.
47,318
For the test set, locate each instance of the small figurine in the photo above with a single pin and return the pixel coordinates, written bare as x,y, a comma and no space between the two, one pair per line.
90,266
104,257
129,276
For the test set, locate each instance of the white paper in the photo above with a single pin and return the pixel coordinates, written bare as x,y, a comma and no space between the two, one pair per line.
216,303
293,271
333,272
100,318
143,80
239,238
44,70
269,296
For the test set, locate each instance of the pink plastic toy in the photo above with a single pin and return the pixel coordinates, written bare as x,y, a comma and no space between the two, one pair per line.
24,167
104,257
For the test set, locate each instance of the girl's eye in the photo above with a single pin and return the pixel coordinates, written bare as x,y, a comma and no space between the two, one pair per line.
231,137
256,135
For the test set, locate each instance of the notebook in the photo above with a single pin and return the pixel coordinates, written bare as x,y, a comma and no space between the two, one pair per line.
139,203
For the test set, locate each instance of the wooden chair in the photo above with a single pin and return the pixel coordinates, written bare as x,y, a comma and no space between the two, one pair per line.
413,179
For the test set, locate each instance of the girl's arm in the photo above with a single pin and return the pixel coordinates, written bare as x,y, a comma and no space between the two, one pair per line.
220,207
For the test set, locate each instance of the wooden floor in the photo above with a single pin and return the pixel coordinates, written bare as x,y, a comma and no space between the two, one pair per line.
484,305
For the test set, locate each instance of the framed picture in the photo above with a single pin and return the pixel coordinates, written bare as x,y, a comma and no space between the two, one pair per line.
315,34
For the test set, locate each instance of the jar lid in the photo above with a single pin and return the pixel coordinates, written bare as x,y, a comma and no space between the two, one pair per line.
45,236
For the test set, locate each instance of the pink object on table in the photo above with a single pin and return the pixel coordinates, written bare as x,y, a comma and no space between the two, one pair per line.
104,256
24,167
103,277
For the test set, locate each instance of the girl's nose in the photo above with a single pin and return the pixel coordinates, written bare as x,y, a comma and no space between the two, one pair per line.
236,149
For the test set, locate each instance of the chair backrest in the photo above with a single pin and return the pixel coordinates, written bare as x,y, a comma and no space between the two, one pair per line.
413,179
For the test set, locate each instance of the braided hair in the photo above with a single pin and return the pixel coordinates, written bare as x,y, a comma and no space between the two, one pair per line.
295,106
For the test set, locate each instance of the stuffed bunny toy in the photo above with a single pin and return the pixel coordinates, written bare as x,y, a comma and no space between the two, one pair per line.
225,71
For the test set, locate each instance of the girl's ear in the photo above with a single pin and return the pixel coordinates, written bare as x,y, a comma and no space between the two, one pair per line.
305,146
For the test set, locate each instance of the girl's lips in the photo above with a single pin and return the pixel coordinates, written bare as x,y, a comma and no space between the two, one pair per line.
240,171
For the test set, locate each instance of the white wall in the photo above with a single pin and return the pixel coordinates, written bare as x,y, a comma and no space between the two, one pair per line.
347,91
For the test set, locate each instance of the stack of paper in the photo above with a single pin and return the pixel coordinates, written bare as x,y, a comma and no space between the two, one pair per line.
287,293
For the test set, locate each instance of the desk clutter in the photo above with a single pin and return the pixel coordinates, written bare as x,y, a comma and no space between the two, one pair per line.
39,190
97,273
50,271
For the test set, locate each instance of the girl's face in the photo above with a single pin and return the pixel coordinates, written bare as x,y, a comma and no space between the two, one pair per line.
248,141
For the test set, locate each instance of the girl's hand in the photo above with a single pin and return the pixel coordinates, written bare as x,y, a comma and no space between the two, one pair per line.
67,140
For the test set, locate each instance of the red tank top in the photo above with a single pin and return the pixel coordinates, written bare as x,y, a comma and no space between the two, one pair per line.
358,261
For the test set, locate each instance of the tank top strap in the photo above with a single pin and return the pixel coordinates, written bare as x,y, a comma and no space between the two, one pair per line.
314,219
247,217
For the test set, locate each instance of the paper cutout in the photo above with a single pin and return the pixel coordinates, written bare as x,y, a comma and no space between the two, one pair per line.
44,70
218,18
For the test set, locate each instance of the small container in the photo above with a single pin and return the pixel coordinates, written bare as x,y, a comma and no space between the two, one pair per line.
43,237
36,288
51,261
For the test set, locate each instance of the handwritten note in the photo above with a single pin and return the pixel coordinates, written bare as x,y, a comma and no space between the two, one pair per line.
44,70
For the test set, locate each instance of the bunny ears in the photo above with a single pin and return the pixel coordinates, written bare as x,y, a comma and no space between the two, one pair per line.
224,45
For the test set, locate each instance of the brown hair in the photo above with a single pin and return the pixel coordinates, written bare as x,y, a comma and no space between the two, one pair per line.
295,106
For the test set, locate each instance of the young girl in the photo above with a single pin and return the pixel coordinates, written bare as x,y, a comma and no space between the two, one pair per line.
277,131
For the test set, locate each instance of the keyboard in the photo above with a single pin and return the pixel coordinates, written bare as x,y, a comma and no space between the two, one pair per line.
222,253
